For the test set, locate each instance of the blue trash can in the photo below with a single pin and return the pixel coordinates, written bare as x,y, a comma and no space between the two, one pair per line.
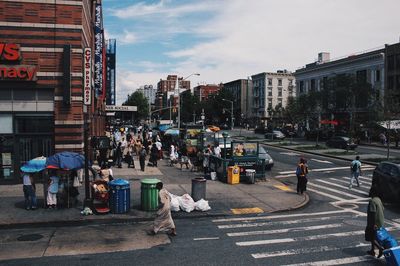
120,196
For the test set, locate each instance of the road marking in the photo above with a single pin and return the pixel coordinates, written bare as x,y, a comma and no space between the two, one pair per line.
286,230
299,239
344,187
302,251
321,161
326,194
205,238
308,220
348,183
278,216
364,168
344,261
290,153
303,238
283,176
247,210
363,178
334,191
283,187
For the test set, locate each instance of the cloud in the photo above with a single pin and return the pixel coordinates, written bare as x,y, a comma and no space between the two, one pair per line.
235,39
162,9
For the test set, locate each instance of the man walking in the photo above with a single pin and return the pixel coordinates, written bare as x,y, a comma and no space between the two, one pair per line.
355,171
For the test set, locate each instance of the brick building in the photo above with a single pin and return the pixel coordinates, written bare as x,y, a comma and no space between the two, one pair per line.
166,95
204,91
42,109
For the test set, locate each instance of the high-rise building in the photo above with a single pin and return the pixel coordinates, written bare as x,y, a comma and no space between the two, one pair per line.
111,65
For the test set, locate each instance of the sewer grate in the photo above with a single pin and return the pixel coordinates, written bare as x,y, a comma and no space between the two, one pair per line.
31,237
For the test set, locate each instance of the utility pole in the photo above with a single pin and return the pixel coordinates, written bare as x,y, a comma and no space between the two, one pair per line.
231,111
177,88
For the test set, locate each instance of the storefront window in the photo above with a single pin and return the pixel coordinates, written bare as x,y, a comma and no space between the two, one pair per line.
24,95
6,158
6,124
34,125
5,95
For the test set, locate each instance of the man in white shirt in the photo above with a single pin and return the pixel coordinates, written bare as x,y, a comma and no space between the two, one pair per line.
217,151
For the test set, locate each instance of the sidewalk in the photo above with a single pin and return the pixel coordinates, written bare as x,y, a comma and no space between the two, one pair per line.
268,196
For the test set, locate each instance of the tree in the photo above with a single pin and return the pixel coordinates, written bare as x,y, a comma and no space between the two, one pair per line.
138,99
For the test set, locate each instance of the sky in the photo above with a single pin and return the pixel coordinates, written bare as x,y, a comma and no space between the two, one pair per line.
226,40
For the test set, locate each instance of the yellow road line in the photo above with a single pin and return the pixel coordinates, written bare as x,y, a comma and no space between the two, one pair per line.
247,210
283,187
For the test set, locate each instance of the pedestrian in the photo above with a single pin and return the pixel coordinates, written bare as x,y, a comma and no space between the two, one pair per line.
118,155
142,158
217,150
159,148
172,155
206,158
154,155
163,221
382,137
29,189
355,170
301,173
129,156
375,220
106,173
52,190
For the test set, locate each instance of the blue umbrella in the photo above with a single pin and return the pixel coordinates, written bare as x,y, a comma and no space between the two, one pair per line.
66,160
35,165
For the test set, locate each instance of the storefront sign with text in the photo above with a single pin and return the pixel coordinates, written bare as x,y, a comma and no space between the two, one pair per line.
87,68
10,56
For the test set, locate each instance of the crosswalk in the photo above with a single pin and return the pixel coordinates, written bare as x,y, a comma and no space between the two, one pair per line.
321,238
333,237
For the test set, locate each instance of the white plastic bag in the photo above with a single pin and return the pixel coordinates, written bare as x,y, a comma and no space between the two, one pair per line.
186,203
174,202
202,205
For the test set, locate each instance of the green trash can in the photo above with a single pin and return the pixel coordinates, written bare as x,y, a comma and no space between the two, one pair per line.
149,194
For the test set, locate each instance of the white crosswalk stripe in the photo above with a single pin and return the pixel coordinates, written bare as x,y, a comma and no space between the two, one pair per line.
285,238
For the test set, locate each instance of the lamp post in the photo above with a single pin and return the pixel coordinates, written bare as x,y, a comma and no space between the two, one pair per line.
231,111
224,135
179,97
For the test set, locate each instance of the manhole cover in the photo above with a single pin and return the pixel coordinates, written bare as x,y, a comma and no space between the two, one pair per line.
31,237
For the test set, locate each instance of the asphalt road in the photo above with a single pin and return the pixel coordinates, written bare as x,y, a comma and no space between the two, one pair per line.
328,231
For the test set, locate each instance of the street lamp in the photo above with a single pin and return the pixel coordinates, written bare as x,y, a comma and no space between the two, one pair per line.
179,97
224,135
231,111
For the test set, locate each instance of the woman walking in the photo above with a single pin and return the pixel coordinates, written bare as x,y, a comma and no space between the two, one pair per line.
163,222
301,173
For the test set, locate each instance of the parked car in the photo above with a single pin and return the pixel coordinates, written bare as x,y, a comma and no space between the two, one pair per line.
386,178
275,134
341,143
263,154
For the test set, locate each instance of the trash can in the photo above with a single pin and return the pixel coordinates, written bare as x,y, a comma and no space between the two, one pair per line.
250,174
233,175
120,196
198,188
149,194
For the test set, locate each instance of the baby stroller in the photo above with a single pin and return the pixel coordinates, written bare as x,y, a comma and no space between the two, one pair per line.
100,197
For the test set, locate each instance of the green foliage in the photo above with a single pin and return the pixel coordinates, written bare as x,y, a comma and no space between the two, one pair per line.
138,99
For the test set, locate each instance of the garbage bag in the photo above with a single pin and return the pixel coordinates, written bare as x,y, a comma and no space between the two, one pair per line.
202,205
186,203
174,202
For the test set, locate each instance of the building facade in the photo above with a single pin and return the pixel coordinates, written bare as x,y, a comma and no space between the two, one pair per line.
392,73
42,53
366,66
149,92
204,91
111,75
271,90
241,90
167,94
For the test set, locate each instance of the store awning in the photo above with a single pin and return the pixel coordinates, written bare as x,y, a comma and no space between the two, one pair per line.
390,124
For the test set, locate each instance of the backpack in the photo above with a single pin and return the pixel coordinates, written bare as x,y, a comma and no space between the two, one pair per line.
354,167
298,170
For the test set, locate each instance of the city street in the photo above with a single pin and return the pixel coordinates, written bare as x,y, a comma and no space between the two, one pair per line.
328,231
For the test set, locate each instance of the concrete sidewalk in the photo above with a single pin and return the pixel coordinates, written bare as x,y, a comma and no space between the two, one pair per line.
268,196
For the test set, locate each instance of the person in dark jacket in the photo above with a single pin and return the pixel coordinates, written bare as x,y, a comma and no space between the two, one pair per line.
154,154
142,158
118,155
301,173
375,220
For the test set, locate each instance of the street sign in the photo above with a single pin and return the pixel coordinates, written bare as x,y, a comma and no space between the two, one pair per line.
124,108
